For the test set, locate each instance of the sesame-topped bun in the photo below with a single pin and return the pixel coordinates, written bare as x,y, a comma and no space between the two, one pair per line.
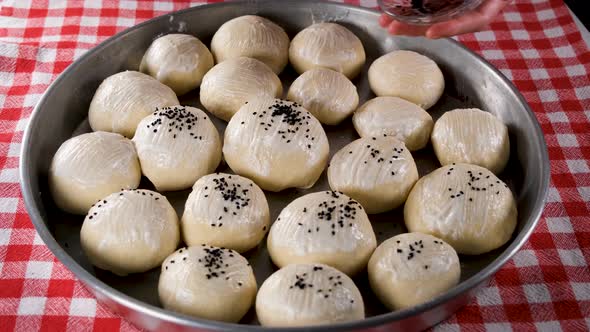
276,143
308,294
465,205
130,231
226,211
207,282
325,227
376,171
327,45
411,269
254,37
123,99
90,166
176,146
231,83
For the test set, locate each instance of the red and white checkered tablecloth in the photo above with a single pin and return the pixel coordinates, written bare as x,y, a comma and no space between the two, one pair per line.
536,44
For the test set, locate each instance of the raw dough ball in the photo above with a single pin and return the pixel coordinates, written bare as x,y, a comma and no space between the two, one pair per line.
123,99
327,45
207,282
378,172
228,85
91,166
254,37
471,136
130,231
226,211
276,143
395,117
411,269
176,146
308,294
327,94
325,227
465,205
177,60
407,75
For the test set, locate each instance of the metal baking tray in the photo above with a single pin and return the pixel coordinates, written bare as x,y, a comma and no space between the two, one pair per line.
470,82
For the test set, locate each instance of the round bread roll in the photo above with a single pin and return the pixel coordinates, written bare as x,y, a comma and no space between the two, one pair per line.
408,75
276,143
393,116
327,45
471,136
180,61
327,94
130,231
308,294
225,210
326,227
207,282
228,85
91,166
253,37
411,269
465,205
176,146
377,172
123,99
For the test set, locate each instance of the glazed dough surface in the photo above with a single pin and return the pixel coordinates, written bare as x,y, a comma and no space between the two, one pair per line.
207,282
276,143
123,99
176,146
324,227
471,136
308,294
91,166
130,231
465,205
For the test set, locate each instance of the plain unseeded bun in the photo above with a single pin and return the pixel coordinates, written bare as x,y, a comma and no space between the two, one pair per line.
327,45
465,205
131,231
253,37
408,75
228,85
176,146
276,143
471,136
91,166
180,61
124,99
308,294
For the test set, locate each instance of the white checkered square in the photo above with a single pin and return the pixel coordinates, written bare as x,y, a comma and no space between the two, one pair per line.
83,307
497,327
584,193
39,270
5,236
489,296
553,195
578,166
14,150
565,51
21,125
554,32
537,293
8,204
53,21
91,39
31,99
50,38
78,52
583,93
89,21
46,54
492,54
530,53
520,34
559,225
31,306
573,257
128,4
557,117
40,78
9,175
567,140
125,22
525,258
9,50
577,70
550,326
163,6
2,97
581,290
485,36
37,240
547,14
368,3
56,4
539,73
92,4
507,72
512,17
548,95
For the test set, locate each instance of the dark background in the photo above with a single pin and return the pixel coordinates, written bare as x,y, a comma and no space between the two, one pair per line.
582,10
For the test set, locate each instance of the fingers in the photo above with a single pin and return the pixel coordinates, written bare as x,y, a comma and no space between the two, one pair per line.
399,28
385,20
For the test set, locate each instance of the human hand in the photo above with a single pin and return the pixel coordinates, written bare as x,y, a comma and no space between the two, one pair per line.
472,21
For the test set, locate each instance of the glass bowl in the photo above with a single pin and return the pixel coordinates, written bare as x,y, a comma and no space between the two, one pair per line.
426,12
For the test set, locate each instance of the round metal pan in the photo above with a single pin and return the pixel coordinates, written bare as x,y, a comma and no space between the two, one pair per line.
470,81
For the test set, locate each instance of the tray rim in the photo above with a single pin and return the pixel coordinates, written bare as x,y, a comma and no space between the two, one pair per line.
98,287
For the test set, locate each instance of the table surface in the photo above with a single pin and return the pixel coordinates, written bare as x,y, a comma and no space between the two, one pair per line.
536,44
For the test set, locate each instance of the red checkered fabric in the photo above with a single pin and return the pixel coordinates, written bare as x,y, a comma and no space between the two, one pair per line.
536,44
